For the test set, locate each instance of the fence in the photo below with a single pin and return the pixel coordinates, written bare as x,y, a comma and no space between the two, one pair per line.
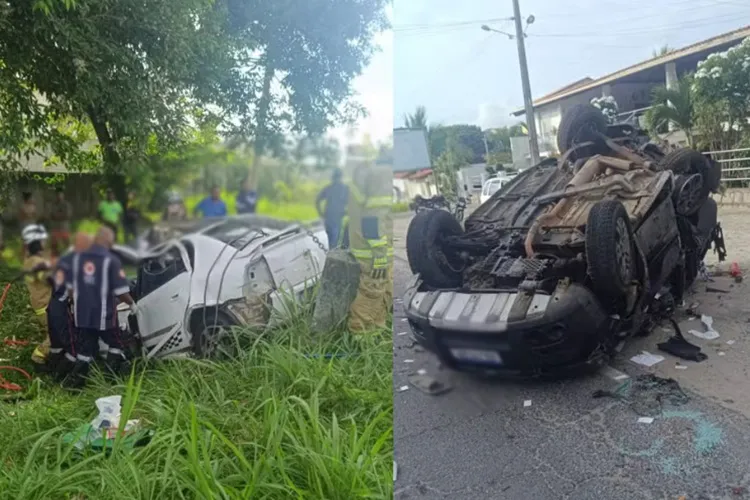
735,175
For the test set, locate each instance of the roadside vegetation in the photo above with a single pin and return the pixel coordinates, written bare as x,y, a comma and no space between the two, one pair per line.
296,416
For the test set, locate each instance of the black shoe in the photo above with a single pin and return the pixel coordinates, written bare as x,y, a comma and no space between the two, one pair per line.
117,366
53,360
63,369
78,376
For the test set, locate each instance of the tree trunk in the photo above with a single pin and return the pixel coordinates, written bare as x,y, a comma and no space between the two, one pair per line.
112,161
264,105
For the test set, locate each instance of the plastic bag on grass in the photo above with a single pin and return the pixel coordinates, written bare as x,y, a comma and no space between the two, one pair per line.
100,433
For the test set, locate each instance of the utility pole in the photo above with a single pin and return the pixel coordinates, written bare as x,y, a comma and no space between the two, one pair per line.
527,102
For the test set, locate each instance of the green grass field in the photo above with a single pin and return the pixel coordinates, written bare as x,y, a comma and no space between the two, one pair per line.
280,422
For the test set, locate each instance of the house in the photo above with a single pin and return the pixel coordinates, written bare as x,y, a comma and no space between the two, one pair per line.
412,168
631,87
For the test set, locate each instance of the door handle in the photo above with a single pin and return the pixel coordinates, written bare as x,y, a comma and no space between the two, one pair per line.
175,296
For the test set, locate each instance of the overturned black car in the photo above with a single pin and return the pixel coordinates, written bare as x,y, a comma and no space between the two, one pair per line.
569,258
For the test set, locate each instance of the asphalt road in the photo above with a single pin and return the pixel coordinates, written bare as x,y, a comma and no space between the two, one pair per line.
482,441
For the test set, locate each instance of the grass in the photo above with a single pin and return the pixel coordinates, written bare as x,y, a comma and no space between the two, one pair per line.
279,422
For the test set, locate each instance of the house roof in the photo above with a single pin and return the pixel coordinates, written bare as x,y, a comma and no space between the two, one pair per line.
696,48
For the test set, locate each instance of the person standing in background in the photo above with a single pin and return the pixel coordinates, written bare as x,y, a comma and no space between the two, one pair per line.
247,199
132,216
60,217
27,210
110,212
336,197
212,206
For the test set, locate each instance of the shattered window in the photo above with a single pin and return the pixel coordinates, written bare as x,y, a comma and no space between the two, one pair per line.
235,233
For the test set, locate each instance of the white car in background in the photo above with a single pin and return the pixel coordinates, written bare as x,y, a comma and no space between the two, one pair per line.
191,290
491,186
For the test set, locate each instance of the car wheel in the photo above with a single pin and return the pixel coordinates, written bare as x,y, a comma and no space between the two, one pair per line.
688,194
213,336
688,161
425,252
581,123
610,248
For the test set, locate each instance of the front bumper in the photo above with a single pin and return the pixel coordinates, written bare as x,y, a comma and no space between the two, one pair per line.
510,332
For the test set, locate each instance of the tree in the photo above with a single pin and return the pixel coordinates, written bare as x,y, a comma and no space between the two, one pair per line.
662,51
140,72
466,140
416,120
721,92
672,106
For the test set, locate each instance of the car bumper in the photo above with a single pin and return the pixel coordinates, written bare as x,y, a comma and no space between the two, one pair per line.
510,333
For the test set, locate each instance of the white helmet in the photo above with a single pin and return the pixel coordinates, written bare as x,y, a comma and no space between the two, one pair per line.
174,197
32,233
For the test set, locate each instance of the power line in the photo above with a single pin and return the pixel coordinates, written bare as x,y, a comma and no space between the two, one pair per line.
696,23
411,27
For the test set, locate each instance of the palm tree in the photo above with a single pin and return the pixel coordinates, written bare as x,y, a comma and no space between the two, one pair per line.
672,106
663,51
416,120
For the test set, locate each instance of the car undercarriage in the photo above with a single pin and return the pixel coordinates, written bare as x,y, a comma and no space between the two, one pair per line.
567,259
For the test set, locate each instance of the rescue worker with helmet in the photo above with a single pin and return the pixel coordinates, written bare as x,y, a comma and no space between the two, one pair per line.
59,316
97,282
36,275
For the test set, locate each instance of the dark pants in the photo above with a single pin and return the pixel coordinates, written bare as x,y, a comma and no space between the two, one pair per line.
131,229
113,227
333,230
87,343
60,327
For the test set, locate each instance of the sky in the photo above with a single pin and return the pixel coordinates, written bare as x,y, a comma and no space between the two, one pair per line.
374,90
444,61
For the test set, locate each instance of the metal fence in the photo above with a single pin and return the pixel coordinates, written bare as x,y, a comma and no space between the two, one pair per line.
735,166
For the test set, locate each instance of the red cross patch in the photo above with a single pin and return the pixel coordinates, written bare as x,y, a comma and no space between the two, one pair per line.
89,268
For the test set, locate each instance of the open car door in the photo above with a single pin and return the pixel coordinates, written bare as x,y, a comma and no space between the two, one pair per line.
162,295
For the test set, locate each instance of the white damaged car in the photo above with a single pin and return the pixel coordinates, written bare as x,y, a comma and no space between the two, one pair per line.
193,289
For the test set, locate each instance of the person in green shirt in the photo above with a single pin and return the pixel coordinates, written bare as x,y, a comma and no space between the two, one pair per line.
110,212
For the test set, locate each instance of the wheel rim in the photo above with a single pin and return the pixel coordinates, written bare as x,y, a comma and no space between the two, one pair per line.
689,196
217,340
622,250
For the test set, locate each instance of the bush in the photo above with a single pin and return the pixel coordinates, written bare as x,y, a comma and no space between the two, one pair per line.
400,207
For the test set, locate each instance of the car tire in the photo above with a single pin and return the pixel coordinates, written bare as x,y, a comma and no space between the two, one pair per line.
688,195
689,161
610,248
205,324
581,123
424,248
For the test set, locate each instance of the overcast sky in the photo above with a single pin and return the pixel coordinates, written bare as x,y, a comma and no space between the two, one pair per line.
461,74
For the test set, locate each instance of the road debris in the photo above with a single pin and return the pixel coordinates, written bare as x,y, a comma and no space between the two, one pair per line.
395,471
429,385
422,371
647,394
730,342
645,420
677,345
716,290
403,388
527,403
678,366
722,353
645,358
408,361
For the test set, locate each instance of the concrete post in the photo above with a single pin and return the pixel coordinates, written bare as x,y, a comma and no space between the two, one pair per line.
670,70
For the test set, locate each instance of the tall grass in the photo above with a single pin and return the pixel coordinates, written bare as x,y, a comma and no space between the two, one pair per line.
295,416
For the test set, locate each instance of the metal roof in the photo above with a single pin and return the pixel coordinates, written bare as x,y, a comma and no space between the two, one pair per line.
696,48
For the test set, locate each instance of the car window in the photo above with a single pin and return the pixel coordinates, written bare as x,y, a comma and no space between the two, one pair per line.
494,187
154,272
236,233
491,187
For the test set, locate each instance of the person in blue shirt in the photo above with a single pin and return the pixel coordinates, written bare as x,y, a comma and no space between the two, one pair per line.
97,282
61,332
212,206
247,198
331,205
